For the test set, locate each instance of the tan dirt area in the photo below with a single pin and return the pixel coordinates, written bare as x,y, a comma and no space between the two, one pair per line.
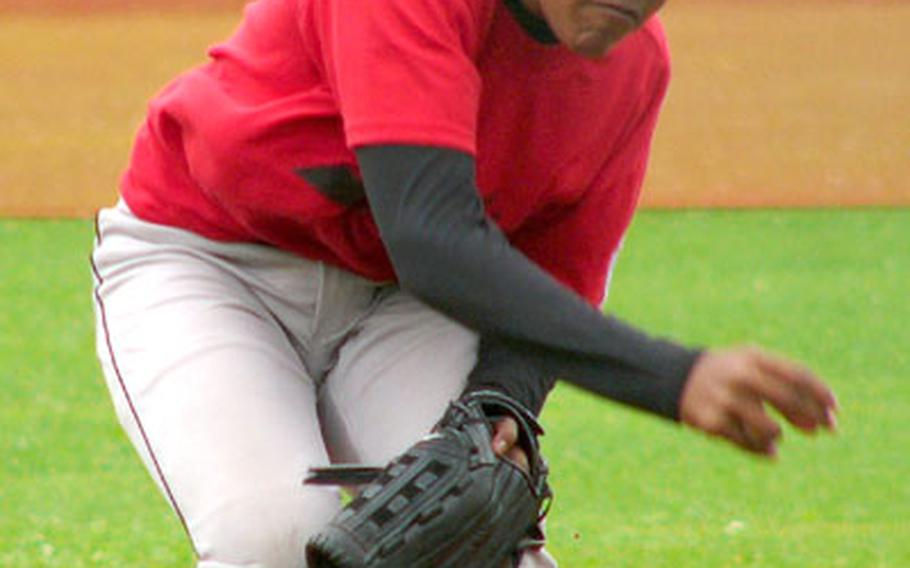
777,103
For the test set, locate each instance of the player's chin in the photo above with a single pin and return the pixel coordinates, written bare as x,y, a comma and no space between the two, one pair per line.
596,41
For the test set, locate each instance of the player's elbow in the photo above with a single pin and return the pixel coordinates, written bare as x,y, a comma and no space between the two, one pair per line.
412,252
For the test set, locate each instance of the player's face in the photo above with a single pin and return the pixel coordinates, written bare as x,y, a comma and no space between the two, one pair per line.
592,27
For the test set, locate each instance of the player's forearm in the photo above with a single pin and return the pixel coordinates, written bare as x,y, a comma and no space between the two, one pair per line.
448,254
527,373
514,368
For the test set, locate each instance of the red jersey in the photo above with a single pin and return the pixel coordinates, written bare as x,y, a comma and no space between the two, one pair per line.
561,142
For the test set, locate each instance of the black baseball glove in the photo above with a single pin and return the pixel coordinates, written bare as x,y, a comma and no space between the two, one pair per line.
448,501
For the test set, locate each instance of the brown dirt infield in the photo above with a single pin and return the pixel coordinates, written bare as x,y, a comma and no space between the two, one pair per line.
778,103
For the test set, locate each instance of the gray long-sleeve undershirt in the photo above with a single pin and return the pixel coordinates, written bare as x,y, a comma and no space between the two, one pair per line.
447,253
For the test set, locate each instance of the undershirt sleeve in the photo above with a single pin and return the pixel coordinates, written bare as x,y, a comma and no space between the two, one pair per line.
533,329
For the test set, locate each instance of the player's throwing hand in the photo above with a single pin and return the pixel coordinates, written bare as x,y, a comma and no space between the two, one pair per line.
727,391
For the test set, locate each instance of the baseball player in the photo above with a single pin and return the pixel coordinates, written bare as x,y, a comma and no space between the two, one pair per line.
358,211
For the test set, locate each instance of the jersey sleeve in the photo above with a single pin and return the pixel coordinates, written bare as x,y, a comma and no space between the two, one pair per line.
403,71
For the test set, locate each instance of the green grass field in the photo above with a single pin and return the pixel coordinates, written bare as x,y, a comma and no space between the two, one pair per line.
830,288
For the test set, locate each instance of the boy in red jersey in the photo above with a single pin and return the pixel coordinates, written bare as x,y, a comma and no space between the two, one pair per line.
358,210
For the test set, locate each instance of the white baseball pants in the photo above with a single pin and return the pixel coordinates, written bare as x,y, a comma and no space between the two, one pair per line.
234,368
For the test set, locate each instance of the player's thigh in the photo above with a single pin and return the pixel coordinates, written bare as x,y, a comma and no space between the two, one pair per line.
394,379
214,399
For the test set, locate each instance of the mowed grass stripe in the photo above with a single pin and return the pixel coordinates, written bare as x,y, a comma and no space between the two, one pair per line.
827,287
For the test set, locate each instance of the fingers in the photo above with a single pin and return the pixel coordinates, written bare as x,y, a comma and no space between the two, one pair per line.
798,409
505,443
760,432
751,430
803,399
518,456
505,436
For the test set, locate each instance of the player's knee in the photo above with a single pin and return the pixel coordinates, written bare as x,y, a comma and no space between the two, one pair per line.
262,528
